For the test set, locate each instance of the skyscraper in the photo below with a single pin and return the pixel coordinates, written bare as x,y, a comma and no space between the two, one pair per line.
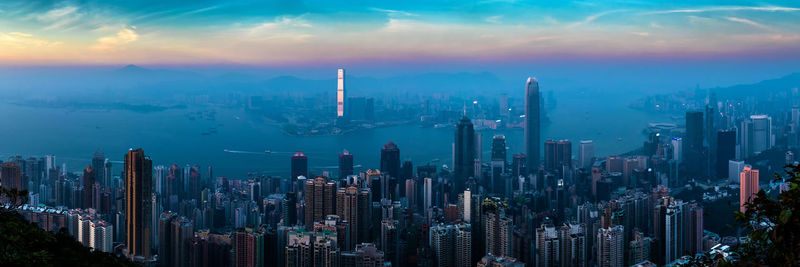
442,241
532,124
694,132
748,186
610,246
548,246
165,254
345,164
390,160
138,217
427,192
585,153
89,175
347,207
182,231
11,175
558,154
734,169
319,200
726,150
499,148
98,162
464,155
498,229
299,165
340,95
755,135
677,149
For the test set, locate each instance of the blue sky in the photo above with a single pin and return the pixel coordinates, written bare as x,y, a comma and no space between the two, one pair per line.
308,32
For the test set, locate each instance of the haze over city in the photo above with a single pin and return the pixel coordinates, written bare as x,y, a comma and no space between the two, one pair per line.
399,133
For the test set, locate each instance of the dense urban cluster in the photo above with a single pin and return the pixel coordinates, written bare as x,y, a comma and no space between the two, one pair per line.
544,207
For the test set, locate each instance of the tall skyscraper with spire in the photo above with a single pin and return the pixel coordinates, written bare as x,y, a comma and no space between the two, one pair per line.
340,95
138,184
532,123
464,153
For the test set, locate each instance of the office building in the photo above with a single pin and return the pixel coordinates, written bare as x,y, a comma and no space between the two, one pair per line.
390,160
345,164
499,148
98,165
694,132
427,193
558,155
532,124
464,153
755,135
677,149
734,169
585,154
299,165
726,151
340,95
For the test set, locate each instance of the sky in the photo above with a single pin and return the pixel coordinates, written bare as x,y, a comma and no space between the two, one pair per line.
302,33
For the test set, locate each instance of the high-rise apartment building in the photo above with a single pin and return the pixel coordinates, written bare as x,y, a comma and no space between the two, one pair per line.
610,246
138,210
748,186
319,200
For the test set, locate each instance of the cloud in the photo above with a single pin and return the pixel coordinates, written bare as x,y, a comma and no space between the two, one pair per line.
593,17
24,41
118,41
750,22
60,18
394,13
725,8
494,19
641,34
279,24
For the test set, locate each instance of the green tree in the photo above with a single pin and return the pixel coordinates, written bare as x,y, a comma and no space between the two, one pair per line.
774,225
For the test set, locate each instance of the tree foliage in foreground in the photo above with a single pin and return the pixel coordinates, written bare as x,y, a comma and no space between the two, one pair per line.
23,243
774,225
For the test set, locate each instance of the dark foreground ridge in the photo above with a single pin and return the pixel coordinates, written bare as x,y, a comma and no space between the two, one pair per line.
25,244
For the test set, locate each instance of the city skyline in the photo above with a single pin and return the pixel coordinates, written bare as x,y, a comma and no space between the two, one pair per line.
489,133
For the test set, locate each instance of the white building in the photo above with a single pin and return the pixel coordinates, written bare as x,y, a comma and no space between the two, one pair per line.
734,168
677,149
